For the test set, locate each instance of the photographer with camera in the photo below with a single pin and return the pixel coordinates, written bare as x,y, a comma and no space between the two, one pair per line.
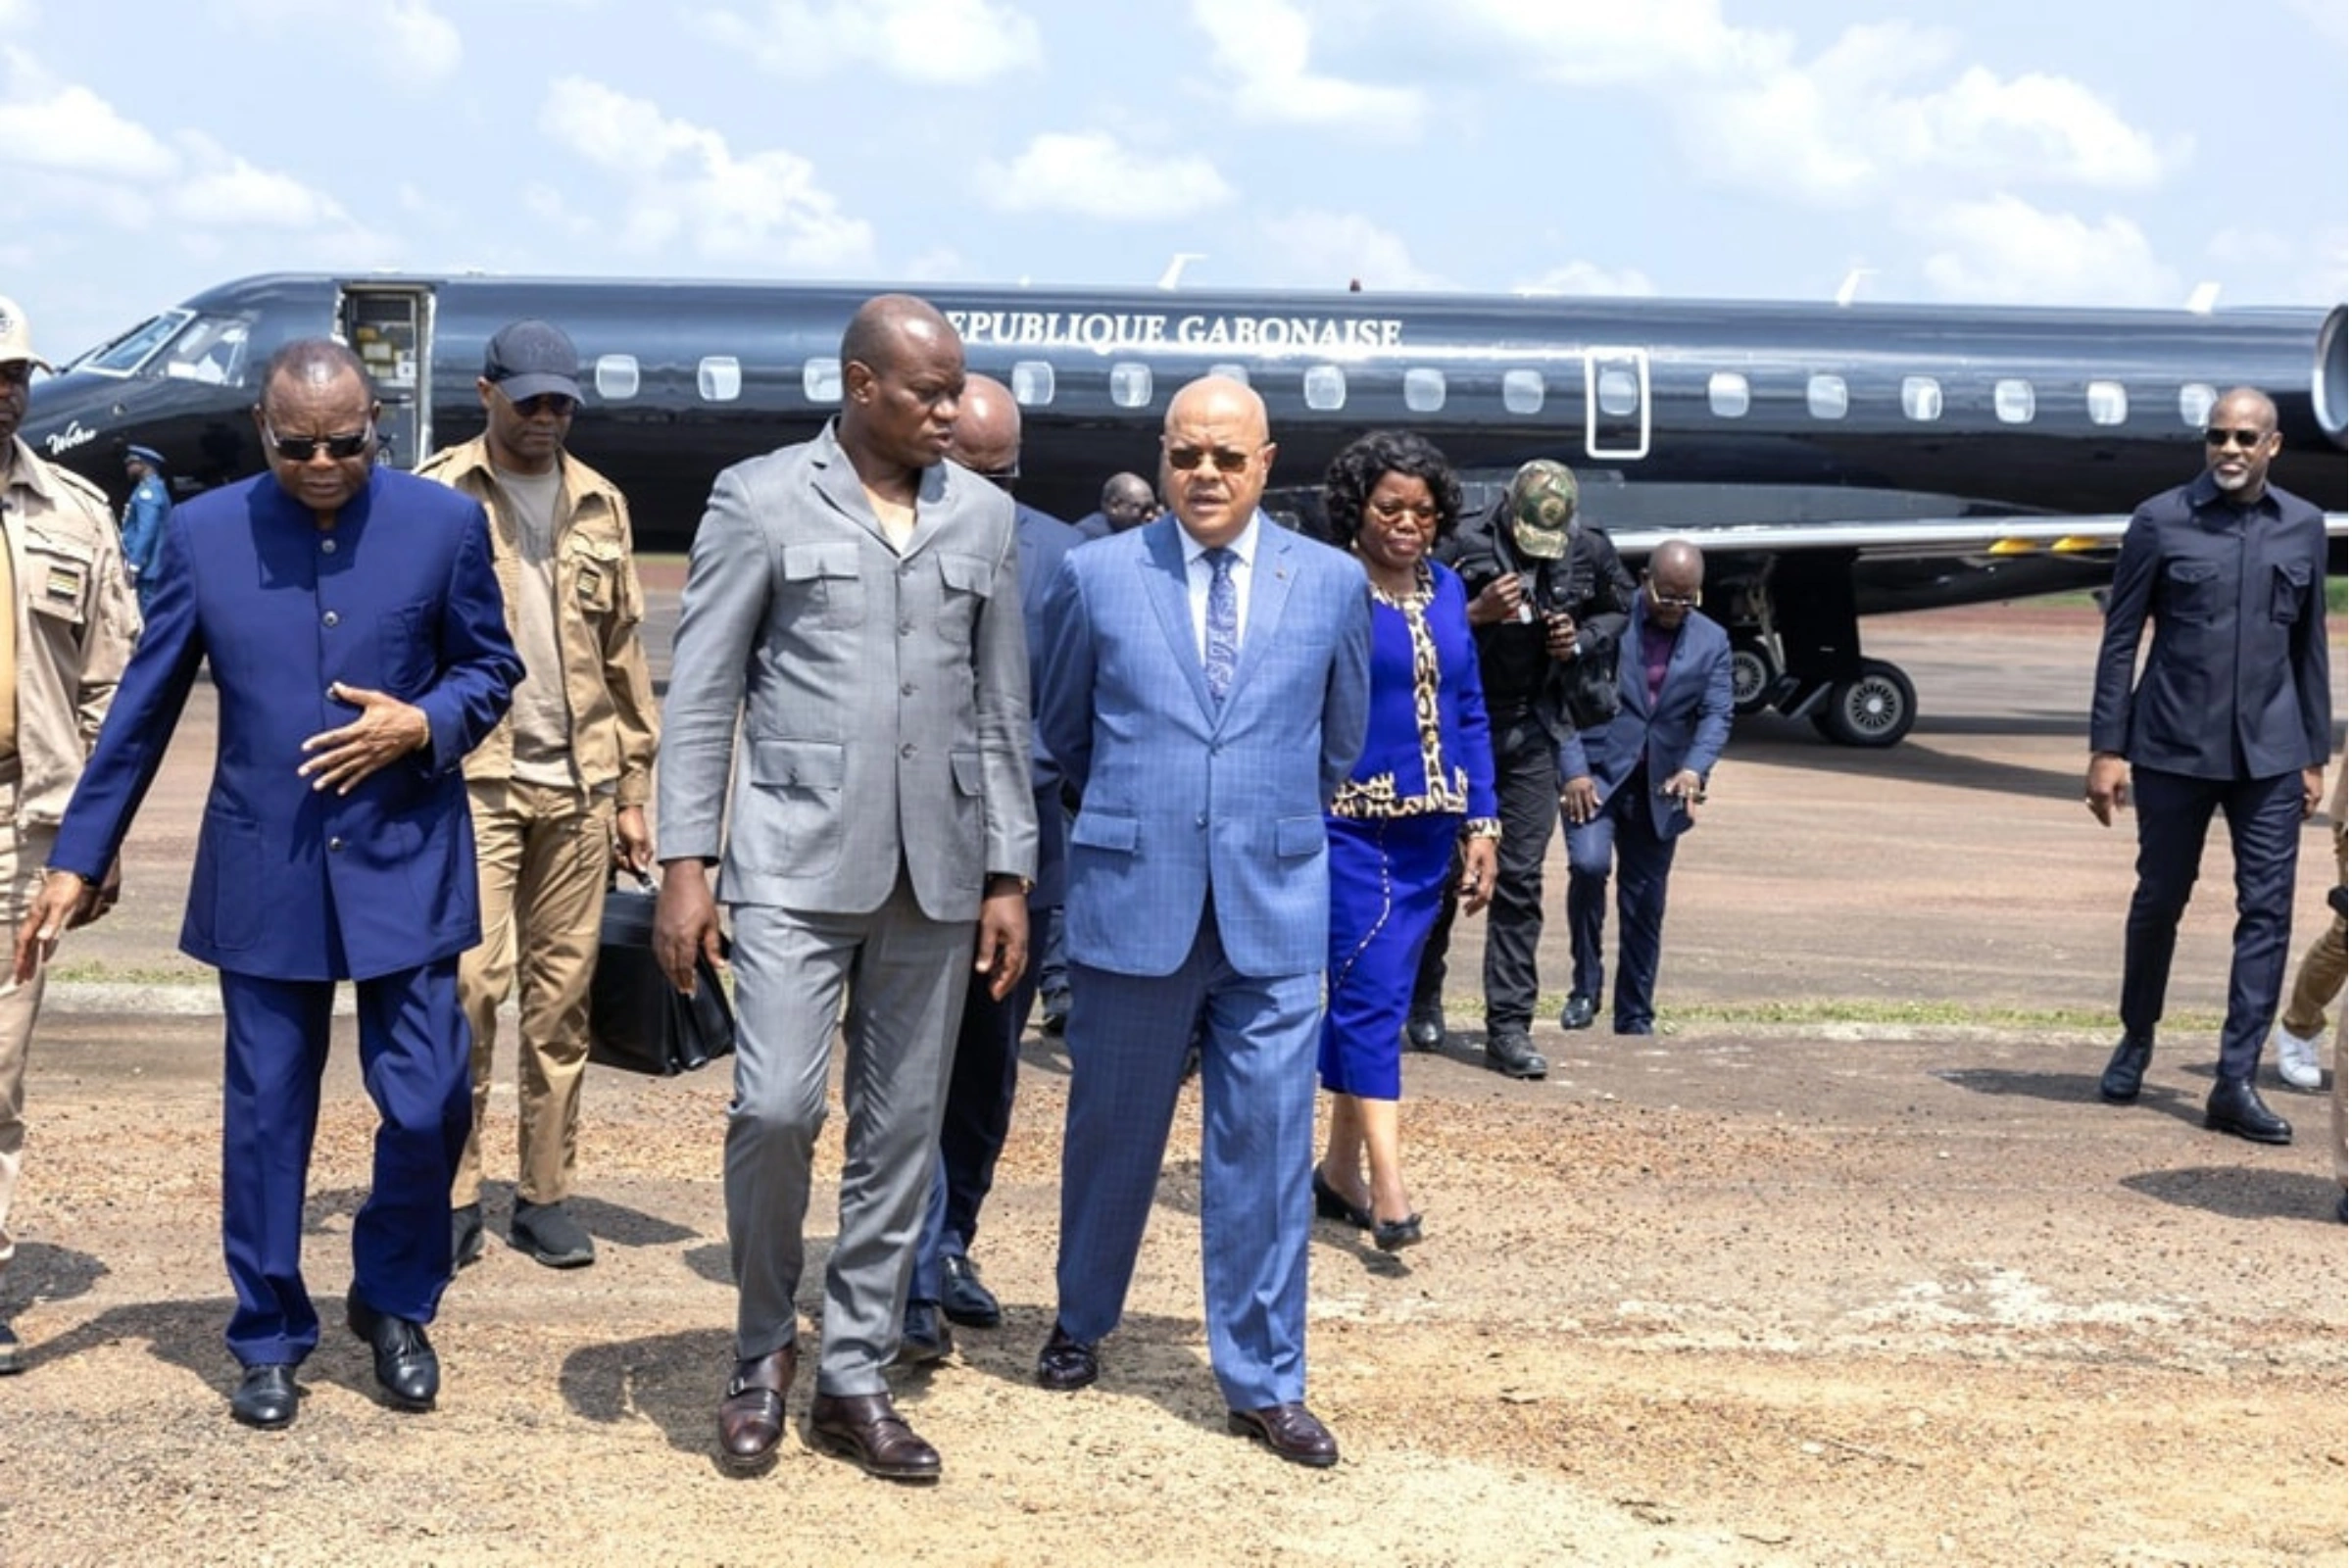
1548,600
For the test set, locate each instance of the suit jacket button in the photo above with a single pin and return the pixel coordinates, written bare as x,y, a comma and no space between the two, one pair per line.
331,618
906,750
335,844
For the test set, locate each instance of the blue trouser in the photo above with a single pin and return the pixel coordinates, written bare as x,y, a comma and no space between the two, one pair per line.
414,1053
975,1119
2265,822
1128,1037
1624,830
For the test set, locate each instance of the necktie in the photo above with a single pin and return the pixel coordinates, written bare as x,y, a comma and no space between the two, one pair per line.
1224,639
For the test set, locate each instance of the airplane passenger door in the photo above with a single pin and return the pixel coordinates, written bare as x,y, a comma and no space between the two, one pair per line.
1617,403
390,327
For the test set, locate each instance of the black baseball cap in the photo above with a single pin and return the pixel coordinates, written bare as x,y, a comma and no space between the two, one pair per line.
527,358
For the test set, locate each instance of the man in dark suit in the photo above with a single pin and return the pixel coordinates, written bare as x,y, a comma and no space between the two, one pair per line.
333,846
1206,689
988,1041
1632,786
2231,713
1127,503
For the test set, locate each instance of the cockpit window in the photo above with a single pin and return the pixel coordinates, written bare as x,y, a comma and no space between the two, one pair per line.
126,353
212,351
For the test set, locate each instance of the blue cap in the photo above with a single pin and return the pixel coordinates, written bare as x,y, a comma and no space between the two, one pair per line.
147,454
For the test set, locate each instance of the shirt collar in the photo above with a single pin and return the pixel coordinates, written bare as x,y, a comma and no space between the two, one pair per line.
1245,545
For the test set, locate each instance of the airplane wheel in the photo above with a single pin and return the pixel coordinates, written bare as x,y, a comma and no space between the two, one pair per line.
1753,670
1874,709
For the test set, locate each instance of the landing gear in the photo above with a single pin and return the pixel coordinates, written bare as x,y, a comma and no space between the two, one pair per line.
1872,708
1753,672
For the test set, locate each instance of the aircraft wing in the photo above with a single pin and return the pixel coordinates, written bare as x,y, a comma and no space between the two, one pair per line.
1896,539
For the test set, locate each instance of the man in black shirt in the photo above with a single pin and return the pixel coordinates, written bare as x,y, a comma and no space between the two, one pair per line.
1547,604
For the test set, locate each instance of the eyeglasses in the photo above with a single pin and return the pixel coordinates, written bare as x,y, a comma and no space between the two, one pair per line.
555,403
1184,459
1388,511
1673,601
2249,439
1003,478
303,447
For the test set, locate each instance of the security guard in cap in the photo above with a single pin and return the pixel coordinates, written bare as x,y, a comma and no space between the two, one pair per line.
68,632
143,519
1547,595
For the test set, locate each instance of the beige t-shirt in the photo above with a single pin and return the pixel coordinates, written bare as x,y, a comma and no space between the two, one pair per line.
542,714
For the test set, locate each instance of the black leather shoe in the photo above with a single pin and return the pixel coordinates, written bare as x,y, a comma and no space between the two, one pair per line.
1396,1235
266,1398
962,1297
2234,1107
465,1236
1578,1013
2118,1085
1289,1430
406,1368
1329,1204
1511,1053
1056,1008
12,1351
923,1336
1065,1364
866,1429
1425,1026
750,1413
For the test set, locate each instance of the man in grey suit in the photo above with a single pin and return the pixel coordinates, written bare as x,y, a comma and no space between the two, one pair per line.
2231,712
853,601
1205,691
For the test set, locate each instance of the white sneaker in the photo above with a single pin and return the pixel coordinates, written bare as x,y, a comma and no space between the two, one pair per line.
2298,1059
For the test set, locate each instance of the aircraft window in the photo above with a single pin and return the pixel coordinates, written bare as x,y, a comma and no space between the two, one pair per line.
1131,384
616,376
2108,404
821,380
1727,394
1232,372
1032,382
1523,391
211,351
2197,402
719,378
1922,398
1825,397
1618,391
133,348
2012,401
1425,390
1325,387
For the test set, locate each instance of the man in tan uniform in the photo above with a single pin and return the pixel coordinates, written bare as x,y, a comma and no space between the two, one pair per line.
559,788
67,631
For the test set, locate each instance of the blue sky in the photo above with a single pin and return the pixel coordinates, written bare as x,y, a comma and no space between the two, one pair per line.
2057,151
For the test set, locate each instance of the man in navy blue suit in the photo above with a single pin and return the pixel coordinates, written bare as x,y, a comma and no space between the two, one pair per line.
988,1040
357,642
1631,787
1206,688
2232,711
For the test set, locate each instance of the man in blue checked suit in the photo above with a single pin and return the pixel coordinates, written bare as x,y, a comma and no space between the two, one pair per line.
1206,691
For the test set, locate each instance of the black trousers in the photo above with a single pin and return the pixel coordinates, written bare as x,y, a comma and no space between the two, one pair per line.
2266,829
1527,797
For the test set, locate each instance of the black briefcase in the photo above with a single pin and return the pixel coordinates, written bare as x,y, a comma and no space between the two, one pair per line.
637,1021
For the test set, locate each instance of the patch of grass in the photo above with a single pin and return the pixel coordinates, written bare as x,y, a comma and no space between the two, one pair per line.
2085,600
1877,1010
92,972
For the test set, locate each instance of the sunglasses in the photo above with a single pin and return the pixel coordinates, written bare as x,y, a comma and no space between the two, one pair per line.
303,447
555,403
1184,459
2249,439
1674,600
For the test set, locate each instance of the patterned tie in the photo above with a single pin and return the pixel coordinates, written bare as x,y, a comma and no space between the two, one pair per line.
1224,640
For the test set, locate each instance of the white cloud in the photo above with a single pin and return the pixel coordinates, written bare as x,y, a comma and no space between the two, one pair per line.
682,185
957,41
1589,278
2327,17
2004,250
406,41
2260,266
15,14
66,129
238,195
1264,46
1090,173
1317,249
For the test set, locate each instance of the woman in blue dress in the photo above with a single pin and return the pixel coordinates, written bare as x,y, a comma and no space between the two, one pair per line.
1425,782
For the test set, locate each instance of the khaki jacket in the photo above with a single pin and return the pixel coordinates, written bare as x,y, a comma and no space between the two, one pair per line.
77,622
598,605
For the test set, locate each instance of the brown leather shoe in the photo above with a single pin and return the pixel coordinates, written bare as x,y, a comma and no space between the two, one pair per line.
865,1429
751,1416
1289,1430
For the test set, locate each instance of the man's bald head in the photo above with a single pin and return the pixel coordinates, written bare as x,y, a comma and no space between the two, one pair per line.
988,430
1127,500
1214,458
2241,440
1672,581
902,372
